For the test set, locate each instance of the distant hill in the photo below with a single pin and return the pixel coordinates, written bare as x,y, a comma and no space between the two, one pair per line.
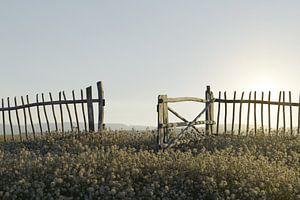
67,127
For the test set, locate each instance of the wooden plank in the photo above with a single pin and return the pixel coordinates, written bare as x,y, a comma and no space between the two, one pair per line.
255,122
291,113
225,117
278,113
68,110
25,118
9,118
181,124
90,109
45,114
18,119
3,121
218,116
248,115
182,99
283,111
233,114
182,118
165,120
76,115
83,111
30,117
100,106
160,111
257,101
61,114
269,112
48,103
53,112
39,115
240,113
262,113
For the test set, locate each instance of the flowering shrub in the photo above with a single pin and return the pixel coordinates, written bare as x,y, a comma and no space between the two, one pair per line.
126,165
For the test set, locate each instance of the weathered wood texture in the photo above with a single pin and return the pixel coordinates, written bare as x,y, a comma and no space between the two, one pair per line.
42,121
261,107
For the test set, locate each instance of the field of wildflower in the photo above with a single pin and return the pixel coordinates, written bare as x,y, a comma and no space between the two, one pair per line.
127,165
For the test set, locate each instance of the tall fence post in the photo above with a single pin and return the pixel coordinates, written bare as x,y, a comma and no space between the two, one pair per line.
100,106
90,109
209,114
165,119
160,110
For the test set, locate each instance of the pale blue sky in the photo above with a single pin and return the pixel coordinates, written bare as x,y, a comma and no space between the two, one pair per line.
141,49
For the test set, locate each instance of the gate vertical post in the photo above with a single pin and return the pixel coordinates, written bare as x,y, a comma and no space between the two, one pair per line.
160,113
209,114
165,118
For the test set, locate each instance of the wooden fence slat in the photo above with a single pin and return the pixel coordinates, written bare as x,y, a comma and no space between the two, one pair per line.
269,112
262,113
61,114
18,119
218,117
240,114
76,115
291,113
30,117
225,118
25,118
248,115
39,115
3,121
83,111
255,122
278,113
53,113
90,109
45,113
233,113
100,106
9,118
69,112
283,111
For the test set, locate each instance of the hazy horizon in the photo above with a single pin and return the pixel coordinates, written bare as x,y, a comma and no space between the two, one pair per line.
141,49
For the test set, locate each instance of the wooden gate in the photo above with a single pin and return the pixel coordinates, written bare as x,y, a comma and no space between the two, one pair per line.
164,125
212,125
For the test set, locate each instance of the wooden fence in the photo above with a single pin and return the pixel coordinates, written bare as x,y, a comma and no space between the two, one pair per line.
25,110
212,118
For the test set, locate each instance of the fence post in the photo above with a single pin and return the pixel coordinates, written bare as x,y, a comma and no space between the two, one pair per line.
160,111
165,119
90,109
100,106
209,114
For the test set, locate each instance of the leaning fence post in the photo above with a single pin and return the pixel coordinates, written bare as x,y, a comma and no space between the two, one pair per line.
100,106
209,114
90,109
160,111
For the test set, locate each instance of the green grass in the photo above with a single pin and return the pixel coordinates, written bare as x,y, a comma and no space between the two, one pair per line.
126,165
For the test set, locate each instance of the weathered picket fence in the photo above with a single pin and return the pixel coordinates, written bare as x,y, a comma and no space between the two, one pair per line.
25,109
212,124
